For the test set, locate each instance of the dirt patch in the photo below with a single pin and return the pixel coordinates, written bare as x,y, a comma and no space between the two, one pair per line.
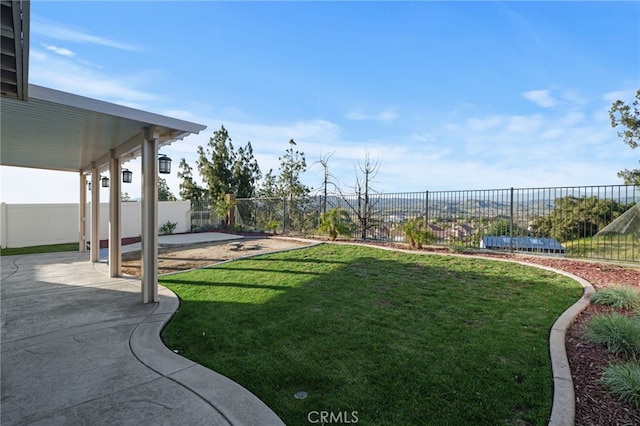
198,256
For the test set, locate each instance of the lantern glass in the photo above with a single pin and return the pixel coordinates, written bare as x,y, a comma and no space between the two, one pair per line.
105,182
127,176
164,165
89,185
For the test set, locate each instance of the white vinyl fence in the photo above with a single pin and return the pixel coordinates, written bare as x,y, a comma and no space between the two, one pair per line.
23,225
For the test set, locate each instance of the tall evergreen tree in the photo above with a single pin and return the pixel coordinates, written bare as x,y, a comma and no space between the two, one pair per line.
267,188
246,172
164,192
226,171
189,189
292,165
217,172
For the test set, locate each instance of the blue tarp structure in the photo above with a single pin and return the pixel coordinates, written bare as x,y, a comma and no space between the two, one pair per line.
531,244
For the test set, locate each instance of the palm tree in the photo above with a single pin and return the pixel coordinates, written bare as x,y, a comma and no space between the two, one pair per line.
335,222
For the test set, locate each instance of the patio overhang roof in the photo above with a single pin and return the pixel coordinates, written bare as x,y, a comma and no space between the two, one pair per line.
57,130
14,31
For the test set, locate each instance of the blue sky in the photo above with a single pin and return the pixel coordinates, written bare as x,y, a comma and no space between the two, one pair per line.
446,95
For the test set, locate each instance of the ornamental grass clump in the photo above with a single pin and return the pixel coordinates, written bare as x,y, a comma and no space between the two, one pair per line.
619,333
624,381
618,297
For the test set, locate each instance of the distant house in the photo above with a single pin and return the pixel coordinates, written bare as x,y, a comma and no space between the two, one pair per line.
437,231
458,232
528,244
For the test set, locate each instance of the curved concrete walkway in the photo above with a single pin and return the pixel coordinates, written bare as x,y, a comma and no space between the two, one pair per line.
78,347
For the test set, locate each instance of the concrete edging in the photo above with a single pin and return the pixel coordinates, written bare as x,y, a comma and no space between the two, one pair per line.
563,410
235,403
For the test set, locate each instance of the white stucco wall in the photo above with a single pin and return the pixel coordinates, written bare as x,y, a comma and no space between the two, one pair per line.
23,225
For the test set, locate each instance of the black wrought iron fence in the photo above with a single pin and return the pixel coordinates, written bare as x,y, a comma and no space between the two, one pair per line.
559,220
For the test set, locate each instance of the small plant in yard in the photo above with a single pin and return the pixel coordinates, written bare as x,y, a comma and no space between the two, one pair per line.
238,228
168,227
619,333
272,226
618,297
458,248
335,222
624,381
417,232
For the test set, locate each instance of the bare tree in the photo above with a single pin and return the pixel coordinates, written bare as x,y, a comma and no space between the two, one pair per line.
327,179
362,205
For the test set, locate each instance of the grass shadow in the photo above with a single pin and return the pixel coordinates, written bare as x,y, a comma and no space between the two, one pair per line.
399,338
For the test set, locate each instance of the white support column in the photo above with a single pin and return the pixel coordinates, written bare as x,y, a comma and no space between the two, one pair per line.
115,239
82,214
95,214
149,217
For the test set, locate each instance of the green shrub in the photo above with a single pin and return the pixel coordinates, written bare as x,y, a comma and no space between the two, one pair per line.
618,297
272,226
168,227
335,222
619,333
624,381
459,248
417,232
238,228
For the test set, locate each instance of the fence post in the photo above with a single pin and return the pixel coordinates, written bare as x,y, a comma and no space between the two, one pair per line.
230,200
511,221
426,208
284,214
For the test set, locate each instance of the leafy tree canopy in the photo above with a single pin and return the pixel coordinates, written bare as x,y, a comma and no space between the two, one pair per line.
164,192
226,171
189,189
268,187
215,164
292,165
628,117
573,218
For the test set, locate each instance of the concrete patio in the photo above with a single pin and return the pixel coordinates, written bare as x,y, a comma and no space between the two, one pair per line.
79,347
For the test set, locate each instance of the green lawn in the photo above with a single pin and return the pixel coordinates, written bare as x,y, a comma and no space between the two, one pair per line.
400,338
624,248
50,248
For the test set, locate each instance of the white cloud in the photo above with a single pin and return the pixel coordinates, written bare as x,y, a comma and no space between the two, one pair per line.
623,95
523,123
60,32
58,50
571,118
386,116
423,137
60,73
484,124
540,97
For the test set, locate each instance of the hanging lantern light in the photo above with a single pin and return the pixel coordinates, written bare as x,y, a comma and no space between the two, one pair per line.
127,176
89,185
164,164
105,182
